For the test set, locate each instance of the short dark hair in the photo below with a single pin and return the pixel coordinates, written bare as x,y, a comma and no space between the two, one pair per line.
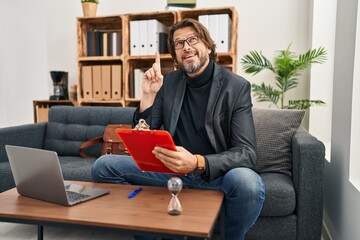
201,32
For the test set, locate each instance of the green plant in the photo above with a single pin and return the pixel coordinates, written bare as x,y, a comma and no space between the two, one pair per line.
93,1
286,67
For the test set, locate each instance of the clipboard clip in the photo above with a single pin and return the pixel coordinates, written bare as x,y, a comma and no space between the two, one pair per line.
142,125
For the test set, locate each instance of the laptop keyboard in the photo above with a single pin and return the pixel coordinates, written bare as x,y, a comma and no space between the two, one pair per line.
74,196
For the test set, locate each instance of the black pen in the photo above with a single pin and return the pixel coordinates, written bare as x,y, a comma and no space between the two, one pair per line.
133,194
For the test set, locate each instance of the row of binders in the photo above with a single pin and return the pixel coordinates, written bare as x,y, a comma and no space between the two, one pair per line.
147,37
220,29
101,82
104,43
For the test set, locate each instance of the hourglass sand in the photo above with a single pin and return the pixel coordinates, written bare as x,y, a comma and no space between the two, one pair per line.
174,185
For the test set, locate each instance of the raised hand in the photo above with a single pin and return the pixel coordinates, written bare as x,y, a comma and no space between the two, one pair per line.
153,80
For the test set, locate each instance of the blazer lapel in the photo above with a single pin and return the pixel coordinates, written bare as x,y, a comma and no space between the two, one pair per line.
177,103
216,86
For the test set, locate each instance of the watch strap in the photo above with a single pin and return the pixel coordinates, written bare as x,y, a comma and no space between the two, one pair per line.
200,169
200,161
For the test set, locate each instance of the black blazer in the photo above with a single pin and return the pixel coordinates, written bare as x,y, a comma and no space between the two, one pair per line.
229,121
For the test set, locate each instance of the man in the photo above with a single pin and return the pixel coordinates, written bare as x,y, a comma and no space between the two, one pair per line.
207,110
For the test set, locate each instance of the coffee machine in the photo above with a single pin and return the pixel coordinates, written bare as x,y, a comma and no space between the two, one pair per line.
60,83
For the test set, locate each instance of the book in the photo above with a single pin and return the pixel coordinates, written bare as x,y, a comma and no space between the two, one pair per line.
110,44
105,44
119,42
163,38
138,78
90,43
98,43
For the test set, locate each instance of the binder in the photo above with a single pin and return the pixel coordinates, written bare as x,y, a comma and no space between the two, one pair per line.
224,36
96,77
86,78
154,28
116,41
143,37
106,82
204,20
134,38
116,82
214,27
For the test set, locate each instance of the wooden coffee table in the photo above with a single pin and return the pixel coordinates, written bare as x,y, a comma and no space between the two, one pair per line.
146,213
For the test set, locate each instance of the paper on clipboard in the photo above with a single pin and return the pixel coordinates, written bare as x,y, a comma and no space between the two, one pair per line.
140,144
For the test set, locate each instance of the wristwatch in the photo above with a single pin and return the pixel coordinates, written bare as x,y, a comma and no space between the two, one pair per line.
200,169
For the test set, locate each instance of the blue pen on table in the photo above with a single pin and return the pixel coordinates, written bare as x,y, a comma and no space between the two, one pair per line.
134,193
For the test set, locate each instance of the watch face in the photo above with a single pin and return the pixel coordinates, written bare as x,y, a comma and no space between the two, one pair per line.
198,171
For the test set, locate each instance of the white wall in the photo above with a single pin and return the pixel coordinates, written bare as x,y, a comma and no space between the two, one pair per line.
41,36
341,199
23,60
323,29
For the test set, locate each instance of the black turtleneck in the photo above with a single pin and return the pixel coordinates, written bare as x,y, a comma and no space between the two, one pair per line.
190,130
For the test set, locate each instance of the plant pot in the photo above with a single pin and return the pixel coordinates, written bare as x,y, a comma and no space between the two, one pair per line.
89,9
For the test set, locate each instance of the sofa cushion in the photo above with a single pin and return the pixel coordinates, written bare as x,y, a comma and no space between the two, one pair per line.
68,127
280,197
274,131
275,228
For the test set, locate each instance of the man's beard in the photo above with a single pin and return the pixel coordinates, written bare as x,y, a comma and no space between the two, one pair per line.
193,68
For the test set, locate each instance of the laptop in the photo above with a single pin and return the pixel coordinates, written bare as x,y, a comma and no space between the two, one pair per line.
37,174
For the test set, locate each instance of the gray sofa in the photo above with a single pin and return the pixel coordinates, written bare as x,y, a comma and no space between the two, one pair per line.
293,205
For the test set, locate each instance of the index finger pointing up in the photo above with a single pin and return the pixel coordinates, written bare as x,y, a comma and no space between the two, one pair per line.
157,60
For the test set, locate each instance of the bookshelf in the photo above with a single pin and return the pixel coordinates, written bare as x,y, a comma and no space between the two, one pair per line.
115,68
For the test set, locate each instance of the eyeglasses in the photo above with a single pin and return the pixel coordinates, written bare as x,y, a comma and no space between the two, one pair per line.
190,41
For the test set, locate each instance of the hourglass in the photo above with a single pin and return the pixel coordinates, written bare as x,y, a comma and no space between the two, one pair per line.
174,185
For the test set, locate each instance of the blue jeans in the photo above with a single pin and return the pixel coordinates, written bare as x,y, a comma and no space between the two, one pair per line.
243,188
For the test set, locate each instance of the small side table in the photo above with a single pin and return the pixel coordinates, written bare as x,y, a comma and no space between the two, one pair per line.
41,108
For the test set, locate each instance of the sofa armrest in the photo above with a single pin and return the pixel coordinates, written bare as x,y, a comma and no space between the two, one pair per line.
308,155
29,135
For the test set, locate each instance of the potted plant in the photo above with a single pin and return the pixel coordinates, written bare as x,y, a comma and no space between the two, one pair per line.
89,7
286,67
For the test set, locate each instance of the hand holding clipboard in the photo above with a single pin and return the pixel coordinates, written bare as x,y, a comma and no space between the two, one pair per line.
141,143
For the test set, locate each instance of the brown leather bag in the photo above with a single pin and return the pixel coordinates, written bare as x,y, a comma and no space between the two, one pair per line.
112,144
